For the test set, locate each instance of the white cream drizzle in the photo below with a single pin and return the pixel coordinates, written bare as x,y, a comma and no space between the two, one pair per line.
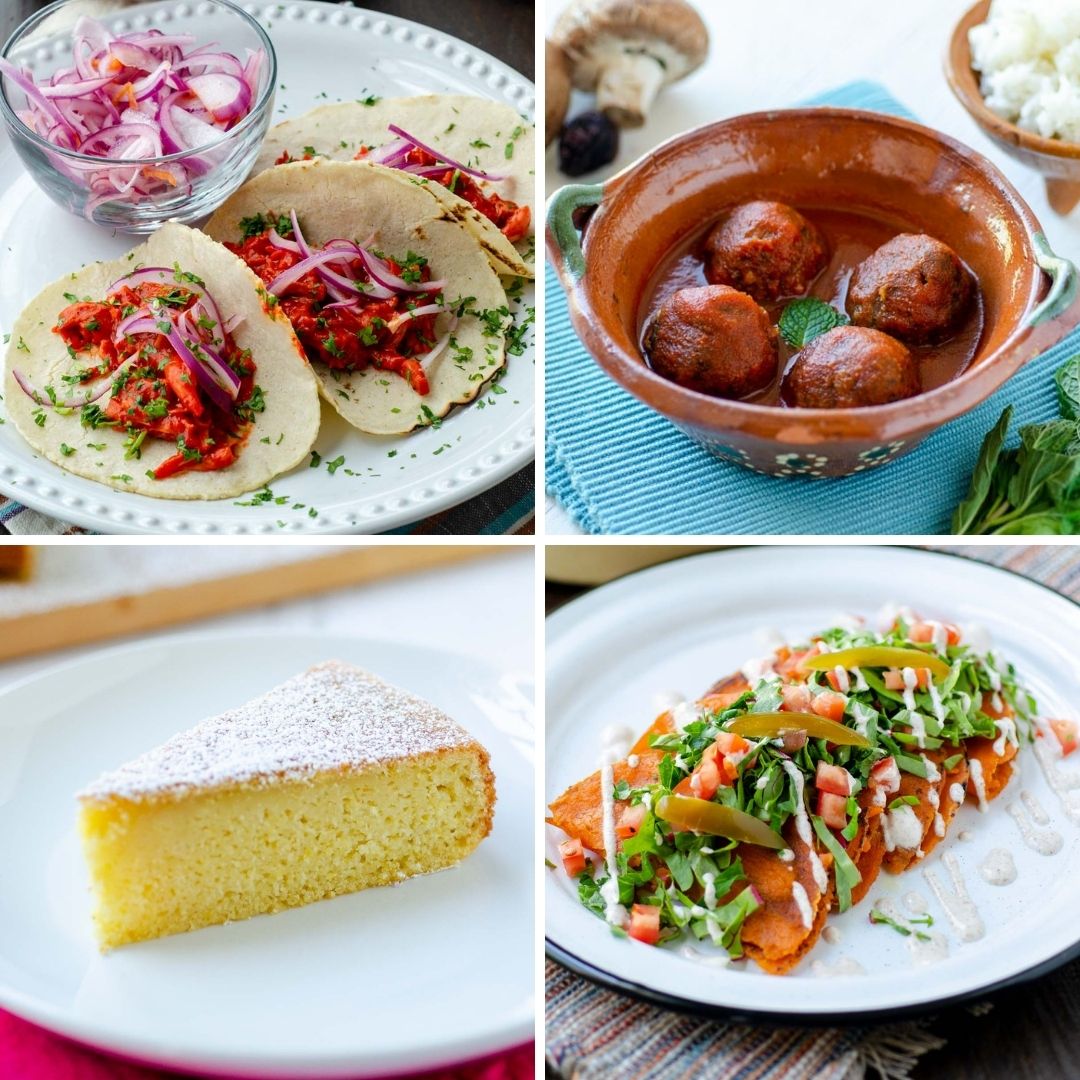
802,902
1034,808
1044,841
615,743
932,772
911,681
843,684
975,766
924,946
957,792
710,889
939,825
1063,784
1006,733
685,713
633,761
832,935
861,684
666,700
902,829
935,701
846,965
915,903
688,952
802,826
956,901
998,868
614,912
786,855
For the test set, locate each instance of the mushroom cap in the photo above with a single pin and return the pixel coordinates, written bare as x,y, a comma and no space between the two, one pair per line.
557,91
593,32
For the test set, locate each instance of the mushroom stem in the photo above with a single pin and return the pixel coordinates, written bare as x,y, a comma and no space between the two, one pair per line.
628,86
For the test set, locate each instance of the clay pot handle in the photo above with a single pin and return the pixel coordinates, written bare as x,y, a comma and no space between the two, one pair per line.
1063,284
564,240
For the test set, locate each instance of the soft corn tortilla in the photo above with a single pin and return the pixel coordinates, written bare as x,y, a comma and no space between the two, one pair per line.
394,214
457,124
291,418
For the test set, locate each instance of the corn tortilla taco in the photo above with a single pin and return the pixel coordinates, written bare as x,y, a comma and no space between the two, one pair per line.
476,154
399,311
164,373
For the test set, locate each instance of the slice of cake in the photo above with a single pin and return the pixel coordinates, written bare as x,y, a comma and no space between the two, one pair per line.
332,782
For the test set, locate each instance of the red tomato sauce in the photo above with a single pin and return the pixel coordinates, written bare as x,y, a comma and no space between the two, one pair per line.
157,396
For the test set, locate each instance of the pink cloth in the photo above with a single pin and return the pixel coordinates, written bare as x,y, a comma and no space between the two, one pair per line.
28,1052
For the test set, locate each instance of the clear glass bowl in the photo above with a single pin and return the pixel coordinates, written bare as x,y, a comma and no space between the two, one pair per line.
86,185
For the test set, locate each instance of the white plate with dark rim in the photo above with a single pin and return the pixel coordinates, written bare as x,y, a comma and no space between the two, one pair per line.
681,626
430,973
321,51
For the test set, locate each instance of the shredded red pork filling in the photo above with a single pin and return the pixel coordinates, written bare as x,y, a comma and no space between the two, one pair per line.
155,396
355,336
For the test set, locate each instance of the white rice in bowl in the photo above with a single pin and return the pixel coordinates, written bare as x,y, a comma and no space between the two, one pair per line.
1028,56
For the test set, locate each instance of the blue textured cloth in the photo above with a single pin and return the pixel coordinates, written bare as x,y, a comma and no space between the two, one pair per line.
618,467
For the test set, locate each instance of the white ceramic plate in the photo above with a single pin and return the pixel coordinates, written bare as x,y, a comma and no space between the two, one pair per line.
682,626
431,972
325,53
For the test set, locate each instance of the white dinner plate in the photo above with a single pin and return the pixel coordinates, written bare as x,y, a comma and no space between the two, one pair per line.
683,625
325,54
432,972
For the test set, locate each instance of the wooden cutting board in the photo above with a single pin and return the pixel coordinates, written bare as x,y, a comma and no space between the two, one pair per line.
85,593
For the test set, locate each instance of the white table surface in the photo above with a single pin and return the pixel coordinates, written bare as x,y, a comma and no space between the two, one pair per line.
776,53
482,608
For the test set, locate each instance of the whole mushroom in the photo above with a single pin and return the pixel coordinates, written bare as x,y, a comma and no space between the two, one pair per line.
627,50
557,95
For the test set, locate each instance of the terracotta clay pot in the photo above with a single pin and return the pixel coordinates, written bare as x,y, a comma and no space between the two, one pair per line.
1058,161
826,158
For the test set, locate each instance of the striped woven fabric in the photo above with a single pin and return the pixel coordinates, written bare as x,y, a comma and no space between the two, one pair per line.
596,1034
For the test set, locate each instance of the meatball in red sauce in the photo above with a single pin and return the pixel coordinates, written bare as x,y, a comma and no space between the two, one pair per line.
914,286
851,366
766,249
715,340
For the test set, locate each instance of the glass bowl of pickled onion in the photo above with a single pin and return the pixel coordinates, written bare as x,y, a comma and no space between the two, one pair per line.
151,112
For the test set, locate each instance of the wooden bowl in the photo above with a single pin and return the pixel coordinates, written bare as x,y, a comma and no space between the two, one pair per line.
1058,161
838,158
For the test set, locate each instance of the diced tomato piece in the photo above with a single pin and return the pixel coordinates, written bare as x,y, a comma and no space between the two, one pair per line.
885,776
833,778
842,684
796,698
830,705
894,679
728,743
573,857
832,809
1066,732
924,632
630,821
793,663
645,923
708,778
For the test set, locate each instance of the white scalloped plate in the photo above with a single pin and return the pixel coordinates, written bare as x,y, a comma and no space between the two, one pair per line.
683,625
325,53
430,973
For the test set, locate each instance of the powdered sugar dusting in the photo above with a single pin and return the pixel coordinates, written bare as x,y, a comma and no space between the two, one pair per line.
334,715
